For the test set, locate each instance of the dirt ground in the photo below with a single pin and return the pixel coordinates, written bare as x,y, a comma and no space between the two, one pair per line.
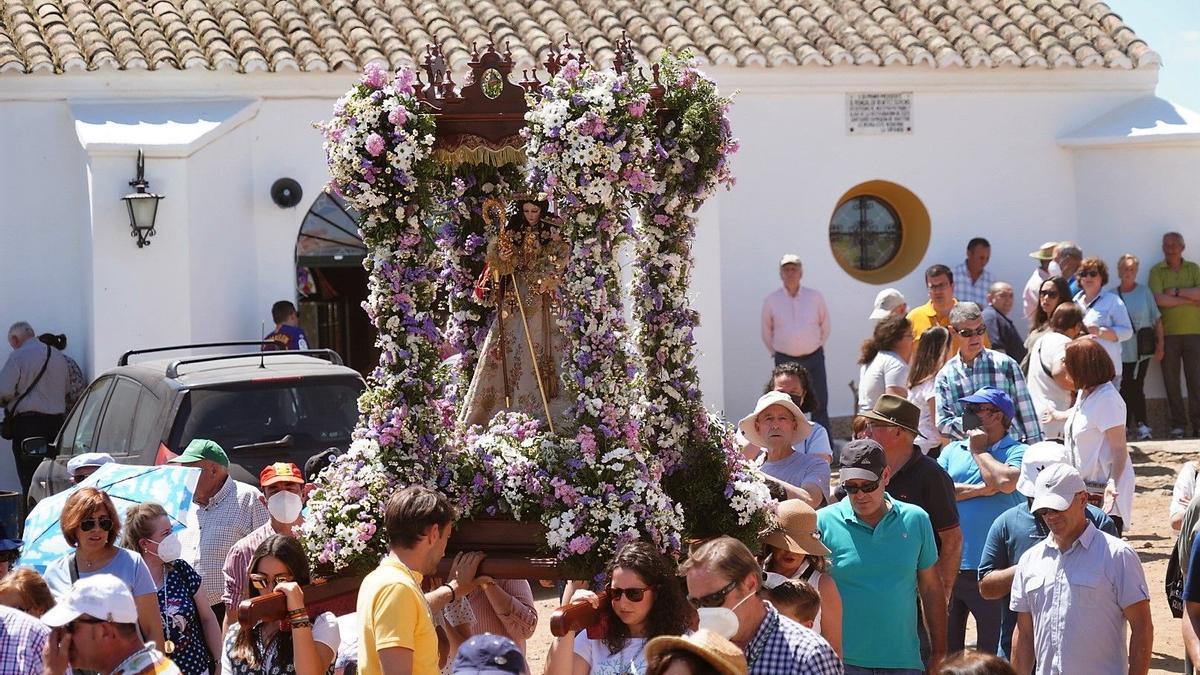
1155,463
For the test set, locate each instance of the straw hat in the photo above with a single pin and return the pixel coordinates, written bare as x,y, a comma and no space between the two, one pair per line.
714,649
1045,251
803,426
796,529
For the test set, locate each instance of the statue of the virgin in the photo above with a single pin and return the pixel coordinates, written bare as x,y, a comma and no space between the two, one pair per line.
520,363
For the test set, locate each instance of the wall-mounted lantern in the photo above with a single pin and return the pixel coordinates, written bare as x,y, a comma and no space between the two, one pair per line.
143,205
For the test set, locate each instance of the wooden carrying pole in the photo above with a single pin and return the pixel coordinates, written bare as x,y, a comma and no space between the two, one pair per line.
537,371
577,615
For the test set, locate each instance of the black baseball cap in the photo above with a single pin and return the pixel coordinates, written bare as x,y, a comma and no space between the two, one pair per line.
863,459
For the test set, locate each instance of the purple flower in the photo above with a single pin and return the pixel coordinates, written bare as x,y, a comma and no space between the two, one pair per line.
375,145
398,116
374,76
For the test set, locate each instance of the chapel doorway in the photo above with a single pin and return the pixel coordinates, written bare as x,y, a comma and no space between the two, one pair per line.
332,284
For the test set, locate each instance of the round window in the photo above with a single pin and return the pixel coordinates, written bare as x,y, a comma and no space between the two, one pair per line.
865,233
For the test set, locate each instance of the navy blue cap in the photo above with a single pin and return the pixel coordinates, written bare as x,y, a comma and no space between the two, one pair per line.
488,654
994,396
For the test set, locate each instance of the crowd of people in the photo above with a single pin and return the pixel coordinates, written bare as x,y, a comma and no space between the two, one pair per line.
987,476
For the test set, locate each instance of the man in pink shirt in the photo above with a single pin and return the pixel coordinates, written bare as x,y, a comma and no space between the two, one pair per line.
795,326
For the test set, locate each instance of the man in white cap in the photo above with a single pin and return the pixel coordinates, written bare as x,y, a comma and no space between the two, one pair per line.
1029,296
776,425
82,466
1075,591
96,629
1016,531
795,326
888,302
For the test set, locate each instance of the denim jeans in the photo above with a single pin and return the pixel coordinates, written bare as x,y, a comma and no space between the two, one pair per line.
814,363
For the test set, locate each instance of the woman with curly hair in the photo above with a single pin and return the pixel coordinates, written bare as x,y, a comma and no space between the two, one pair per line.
884,360
645,601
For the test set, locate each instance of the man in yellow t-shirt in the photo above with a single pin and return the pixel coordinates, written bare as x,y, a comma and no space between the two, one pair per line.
939,280
398,636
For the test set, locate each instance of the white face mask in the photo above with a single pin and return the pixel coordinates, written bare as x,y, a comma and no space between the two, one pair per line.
1054,269
721,620
285,506
169,549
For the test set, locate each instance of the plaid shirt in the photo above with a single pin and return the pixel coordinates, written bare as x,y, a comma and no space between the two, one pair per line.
22,639
236,570
781,646
232,513
965,291
990,369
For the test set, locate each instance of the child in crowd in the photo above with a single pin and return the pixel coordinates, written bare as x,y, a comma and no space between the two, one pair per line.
794,599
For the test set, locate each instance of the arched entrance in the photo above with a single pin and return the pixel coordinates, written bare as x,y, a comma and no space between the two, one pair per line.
332,284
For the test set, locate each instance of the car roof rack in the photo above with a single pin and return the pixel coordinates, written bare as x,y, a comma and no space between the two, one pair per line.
124,360
328,354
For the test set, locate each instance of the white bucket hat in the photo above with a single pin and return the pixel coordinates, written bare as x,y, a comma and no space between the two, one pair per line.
803,427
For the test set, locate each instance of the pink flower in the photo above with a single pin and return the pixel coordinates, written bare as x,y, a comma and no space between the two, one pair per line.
637,108
366,531
375,145
398,116
404,81
374,76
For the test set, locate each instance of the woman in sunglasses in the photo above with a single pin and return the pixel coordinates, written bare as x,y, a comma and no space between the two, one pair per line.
645,601
193,634
1052,293
298,644
90,525
794,550
1104,313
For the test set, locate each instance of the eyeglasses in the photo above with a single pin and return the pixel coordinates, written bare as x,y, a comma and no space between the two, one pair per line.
862,487
1048,293
634,594
262,582
105,524
938,287
713,599
70,627
967,332
1042,513
1082,274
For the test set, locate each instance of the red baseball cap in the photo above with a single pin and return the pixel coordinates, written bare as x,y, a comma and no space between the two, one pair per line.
280,472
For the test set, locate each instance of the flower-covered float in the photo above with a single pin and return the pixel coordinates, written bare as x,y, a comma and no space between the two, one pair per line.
495,215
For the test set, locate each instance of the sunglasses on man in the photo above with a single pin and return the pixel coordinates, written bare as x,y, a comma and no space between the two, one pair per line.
967,332
867,487
713,599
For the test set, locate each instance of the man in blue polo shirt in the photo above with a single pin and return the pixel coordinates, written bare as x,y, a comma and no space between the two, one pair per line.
984,467
882,555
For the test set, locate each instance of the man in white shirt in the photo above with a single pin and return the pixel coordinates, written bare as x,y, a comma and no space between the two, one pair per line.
795,326
1075,590
971,278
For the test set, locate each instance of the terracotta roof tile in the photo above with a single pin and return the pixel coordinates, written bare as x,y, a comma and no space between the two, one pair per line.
336,35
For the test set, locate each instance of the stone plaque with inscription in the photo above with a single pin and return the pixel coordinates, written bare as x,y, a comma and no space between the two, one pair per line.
868,113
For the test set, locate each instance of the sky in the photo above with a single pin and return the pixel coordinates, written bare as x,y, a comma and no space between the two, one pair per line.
1171,28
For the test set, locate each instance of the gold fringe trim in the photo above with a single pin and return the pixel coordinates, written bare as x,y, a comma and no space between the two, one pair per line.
479,155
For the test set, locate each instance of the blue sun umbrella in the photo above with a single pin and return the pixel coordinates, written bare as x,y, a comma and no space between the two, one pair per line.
172,487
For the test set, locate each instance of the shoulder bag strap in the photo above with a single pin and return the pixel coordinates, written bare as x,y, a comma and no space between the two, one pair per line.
13,410
74,569
1041,361
808,573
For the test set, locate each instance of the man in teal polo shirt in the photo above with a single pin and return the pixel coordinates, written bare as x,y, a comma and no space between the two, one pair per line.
985,468
882,554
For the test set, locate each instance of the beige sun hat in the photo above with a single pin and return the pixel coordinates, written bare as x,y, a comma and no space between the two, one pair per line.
716,651
796,529
803,426
1045,251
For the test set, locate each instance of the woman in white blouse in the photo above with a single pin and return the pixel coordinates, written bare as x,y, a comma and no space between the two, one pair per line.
1095,437
884,360
1104,313
1049,388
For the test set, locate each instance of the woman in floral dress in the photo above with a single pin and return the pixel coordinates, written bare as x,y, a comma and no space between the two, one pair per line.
192,632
